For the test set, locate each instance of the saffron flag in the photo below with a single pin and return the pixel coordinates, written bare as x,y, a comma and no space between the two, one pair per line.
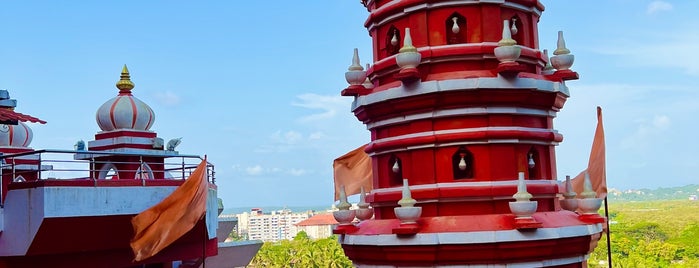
167,221
596,165
353,170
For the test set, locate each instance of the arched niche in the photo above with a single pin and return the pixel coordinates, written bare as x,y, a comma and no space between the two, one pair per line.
533,164
393,39
395,171
108,172
455,28
462,164
144,172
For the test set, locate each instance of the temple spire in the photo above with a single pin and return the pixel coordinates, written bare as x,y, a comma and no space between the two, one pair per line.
124,84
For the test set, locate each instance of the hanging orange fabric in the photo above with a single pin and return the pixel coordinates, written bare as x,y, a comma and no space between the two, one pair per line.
596,165
353,170
167,221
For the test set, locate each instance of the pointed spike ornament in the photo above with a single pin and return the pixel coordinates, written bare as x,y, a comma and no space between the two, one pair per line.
407,43
522,194
407,200
355,74
588,192
561,45
344,204
569,189
124,84
356,65
367,82
506,35
362,199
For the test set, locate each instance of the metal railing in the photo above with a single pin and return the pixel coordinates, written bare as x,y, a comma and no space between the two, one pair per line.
95,166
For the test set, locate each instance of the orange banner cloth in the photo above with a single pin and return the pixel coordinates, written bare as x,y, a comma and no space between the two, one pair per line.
167,221
596,165
353,170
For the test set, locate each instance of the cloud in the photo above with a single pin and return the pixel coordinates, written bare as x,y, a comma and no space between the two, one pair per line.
297,172
167,98
289,137
658,6
316,135
328,105
254,170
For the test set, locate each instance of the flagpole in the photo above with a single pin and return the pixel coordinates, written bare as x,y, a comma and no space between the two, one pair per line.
609,241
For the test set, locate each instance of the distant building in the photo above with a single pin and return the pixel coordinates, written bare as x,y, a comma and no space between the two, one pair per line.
272,227
319,226
693,197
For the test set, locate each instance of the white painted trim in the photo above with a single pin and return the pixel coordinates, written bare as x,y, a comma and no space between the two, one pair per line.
120,140
461,184
441,113
468,238
464,130
478,83
490,141
544,263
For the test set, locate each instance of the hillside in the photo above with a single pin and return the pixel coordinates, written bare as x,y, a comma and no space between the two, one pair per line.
672,193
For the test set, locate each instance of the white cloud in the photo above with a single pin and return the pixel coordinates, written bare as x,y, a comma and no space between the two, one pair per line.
288,137
329,105
297,172
167,98
658,6
316,135
254,170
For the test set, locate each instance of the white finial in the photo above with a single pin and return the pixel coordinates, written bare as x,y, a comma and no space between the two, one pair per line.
407,43
462,163
561,45
455,27
522,194
395,167
407,200
356,66
513,29
343,205
548,68
367,82
569,189
506,35
362,199
588,192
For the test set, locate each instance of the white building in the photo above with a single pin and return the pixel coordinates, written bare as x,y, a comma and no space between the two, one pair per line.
275,226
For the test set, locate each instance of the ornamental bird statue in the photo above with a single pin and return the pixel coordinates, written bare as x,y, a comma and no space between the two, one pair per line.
172,144
158,143
80,146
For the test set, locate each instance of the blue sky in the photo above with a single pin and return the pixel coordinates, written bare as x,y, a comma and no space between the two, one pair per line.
257,89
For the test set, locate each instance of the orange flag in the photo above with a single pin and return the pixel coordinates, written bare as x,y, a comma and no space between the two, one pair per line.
167,221
353,170
596,165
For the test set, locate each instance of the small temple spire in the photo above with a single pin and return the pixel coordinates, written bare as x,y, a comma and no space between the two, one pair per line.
124,84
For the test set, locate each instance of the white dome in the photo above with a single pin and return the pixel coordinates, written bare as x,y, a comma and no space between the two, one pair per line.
19,135
125,111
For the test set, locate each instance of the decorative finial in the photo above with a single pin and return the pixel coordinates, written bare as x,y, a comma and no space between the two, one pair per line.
569,189
367,82
548,68
506,35
362,199
343,205
588,192
124,84
561,45
455,26
356,66
407,200
407,43
522,194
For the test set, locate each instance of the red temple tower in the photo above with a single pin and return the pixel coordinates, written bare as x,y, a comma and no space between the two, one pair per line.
460,103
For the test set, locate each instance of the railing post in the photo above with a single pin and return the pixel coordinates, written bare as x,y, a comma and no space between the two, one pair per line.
140,170
38,168
183,168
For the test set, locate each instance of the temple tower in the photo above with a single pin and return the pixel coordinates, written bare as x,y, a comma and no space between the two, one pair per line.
460,102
